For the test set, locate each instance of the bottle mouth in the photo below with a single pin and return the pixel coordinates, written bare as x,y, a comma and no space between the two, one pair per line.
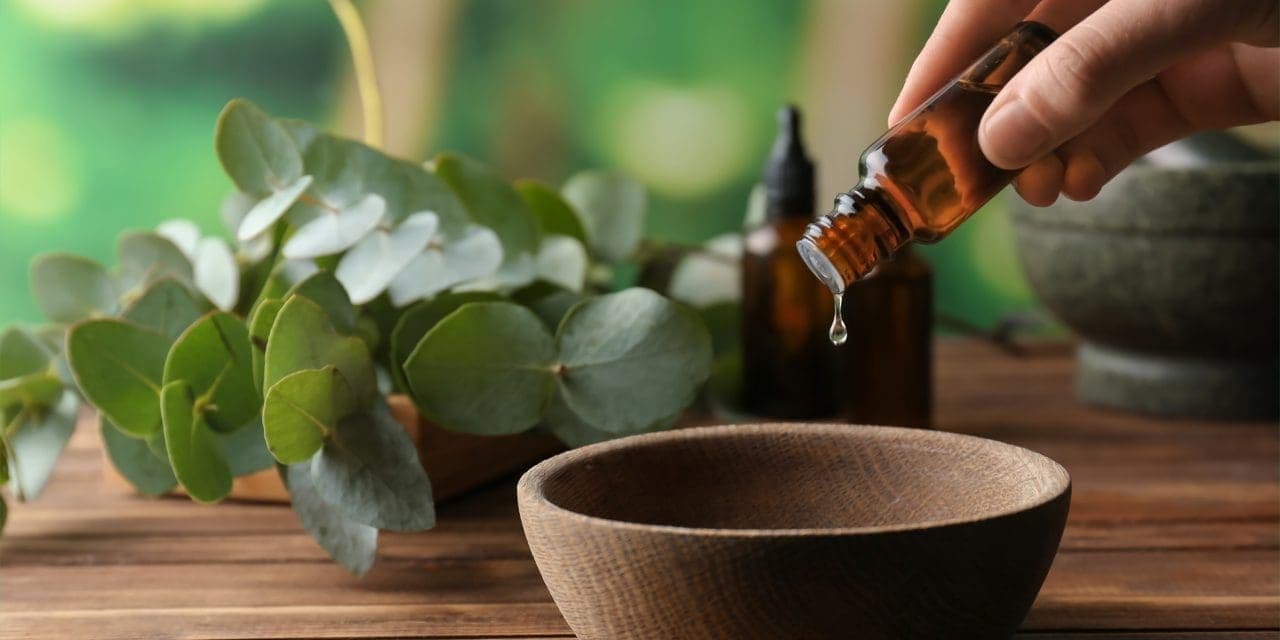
820,265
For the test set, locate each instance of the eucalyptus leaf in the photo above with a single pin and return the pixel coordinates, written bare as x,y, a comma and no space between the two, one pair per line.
302,132
369,471
613,208
212,357
514,273
216,274
69,288
36,441
549,302
184,234
39,389
484,369
145,258
168,307
417,320
119,366
631,359
245,449
562,261
260,323
571,430
270,209
22,353
302,409
149,474
554,215
257,152
303,337
194,452
476,254
711,276
492,202
335,231
350,544
370,266
324,289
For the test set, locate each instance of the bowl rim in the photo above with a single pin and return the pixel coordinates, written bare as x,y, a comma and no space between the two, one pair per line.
531,488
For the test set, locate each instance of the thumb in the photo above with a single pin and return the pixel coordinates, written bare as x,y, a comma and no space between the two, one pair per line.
1075,80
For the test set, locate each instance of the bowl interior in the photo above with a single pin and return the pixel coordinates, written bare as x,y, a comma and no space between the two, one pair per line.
792,476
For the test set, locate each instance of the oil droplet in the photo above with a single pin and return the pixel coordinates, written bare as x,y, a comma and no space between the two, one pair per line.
838,332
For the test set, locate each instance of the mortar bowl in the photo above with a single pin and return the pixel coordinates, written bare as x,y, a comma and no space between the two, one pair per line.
777,531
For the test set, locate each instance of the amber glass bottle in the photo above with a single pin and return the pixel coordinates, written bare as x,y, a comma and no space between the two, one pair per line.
885,365
787,365
924,176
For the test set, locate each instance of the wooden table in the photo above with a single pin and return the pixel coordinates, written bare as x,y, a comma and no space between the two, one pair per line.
1173,534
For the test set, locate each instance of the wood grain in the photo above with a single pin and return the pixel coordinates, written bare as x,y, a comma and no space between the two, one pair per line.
1172,536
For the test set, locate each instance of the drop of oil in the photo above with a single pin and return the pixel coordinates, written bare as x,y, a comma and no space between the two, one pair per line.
838,332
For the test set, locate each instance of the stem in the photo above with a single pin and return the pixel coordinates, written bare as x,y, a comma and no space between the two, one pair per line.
362,63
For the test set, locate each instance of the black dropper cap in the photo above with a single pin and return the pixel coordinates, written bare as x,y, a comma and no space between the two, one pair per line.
788,174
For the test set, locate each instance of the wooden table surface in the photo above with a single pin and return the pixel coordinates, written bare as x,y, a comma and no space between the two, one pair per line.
1173,534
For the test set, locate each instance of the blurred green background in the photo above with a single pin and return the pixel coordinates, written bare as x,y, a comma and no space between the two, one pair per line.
107,107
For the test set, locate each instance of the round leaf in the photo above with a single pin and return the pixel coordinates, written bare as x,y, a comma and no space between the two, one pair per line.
335,231
245,449
562,261
631,359
216,274
571,430
260,323
22,353
476,254
69,288
492,202
270,209
369,267
32,390
417,320
350,544
212,357
194,453
712,276
35,443
613,208
302,409
369,471
135,460
256,151
303,337
119,366
554,215
323,288
146,258
168,307
184,234
484,369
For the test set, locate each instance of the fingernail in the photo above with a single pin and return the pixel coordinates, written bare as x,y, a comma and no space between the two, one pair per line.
1014,138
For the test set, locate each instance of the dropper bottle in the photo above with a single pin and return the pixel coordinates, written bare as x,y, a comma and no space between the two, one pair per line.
924,176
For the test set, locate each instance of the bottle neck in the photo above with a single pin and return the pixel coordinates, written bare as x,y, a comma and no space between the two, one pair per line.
843,246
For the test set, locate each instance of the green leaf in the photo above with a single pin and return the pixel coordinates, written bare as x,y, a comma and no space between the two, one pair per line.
571,430
118,366
334,231
256,151
350,544
484,369
32,390
613,208
149,474
263,215
303,337
168,307
69,288
370,266
323,288
302,409
562,261
184,234
631,359
217,275
417,320
245,449
35,443
260,323
476,254
492,202
711,276
145,258
548,301
22,354
369,471
194,452
212,357
554,215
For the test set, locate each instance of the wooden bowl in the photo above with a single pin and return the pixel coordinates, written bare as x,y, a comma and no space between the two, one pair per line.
778,531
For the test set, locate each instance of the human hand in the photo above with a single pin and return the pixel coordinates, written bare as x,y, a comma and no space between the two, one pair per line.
1125,77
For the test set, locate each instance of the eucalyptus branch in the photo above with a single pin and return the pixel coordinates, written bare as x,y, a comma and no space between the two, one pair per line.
362,63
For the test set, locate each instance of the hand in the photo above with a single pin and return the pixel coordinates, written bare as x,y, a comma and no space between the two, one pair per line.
1126,77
